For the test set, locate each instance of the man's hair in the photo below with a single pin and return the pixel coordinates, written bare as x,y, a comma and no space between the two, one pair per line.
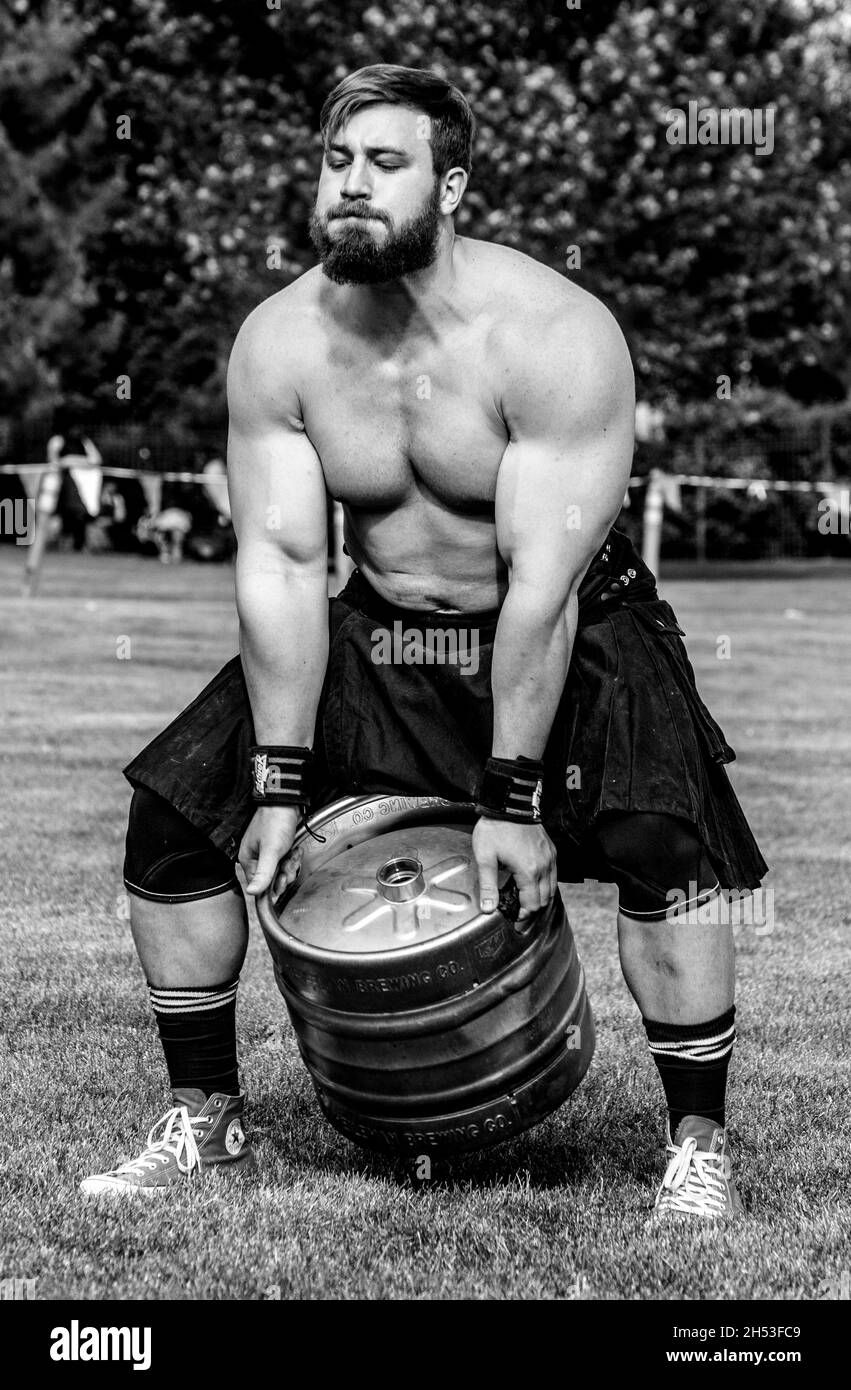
452,127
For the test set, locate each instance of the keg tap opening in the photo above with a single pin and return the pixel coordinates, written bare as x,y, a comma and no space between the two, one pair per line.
401,879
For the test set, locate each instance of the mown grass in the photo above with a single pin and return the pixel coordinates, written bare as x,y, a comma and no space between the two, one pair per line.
561,1212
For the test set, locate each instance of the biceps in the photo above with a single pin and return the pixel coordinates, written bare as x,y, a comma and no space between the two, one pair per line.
278,497
554,508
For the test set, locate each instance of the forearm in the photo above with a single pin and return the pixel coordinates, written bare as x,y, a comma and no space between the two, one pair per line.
531,656
283,642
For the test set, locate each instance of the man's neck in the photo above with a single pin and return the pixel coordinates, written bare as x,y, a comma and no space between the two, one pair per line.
409,304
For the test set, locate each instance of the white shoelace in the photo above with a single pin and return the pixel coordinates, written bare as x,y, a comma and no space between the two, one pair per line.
694,1182
177,1141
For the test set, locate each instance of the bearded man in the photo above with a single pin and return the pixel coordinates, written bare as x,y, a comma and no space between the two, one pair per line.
473,412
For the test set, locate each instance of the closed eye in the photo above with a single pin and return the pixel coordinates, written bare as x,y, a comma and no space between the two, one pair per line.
337,164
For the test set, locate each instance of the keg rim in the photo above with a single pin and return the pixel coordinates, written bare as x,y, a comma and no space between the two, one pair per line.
405,811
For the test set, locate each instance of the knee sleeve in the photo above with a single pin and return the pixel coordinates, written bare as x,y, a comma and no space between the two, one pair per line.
167,859
658,863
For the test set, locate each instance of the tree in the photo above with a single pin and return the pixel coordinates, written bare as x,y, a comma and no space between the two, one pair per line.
140,256
54,205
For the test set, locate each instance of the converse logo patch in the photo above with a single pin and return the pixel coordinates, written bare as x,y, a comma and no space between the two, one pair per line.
235,1137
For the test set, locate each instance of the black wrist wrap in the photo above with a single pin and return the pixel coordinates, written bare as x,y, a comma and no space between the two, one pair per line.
279,774
510,789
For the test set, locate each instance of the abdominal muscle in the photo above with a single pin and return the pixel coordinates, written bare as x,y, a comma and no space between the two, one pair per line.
422,557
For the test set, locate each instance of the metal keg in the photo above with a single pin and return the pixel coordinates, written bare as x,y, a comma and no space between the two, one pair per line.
427,1026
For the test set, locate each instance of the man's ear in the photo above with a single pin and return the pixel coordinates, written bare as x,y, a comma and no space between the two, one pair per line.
454,182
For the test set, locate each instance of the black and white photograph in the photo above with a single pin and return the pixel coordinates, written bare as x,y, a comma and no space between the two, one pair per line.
425,606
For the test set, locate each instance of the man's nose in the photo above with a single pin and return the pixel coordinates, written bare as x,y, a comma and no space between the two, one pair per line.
357,183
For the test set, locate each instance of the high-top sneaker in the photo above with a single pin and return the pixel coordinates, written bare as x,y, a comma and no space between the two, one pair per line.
197,1136
699,1176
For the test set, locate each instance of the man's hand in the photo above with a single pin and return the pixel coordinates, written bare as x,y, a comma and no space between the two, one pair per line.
527,851
269,836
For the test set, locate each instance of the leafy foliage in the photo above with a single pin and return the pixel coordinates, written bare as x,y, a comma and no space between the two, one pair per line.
140,256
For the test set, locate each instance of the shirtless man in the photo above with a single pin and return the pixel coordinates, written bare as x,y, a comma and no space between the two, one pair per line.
473,412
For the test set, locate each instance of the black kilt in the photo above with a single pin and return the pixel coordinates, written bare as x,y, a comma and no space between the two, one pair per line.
631,732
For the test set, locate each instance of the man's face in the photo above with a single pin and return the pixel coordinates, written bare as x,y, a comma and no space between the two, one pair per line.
377,210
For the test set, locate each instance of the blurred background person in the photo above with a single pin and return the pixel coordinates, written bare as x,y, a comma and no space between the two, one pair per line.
172,525
212,536
78,504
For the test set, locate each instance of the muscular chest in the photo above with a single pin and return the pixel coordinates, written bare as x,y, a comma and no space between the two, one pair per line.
385,423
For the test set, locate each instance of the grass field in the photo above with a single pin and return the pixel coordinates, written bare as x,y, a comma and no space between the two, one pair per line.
559,1213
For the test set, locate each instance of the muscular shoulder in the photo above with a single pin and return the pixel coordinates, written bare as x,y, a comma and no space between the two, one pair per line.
524,292
269,352
548,337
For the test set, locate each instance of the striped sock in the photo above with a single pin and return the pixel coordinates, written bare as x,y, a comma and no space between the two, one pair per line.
197,1029
693,1059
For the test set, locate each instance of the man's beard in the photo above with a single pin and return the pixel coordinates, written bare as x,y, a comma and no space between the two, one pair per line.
355,258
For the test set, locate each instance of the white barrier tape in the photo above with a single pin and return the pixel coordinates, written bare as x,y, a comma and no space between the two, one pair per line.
689,479
770,484
111,472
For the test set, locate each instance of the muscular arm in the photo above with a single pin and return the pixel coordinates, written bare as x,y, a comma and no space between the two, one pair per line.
277,494
569,406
